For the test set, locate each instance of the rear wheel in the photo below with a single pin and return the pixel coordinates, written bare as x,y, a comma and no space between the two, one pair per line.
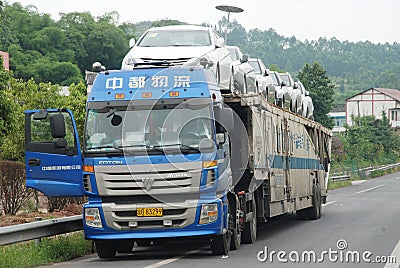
106,249
249,233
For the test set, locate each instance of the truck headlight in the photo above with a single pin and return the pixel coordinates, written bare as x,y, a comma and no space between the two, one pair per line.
209,213
92,218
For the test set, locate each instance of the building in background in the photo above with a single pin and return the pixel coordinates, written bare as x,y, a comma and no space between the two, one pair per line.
374,101
6,60
338,115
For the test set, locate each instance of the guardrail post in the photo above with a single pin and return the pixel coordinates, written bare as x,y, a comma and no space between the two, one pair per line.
38,240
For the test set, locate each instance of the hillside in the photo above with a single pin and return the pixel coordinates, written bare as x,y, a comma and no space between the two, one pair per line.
60,51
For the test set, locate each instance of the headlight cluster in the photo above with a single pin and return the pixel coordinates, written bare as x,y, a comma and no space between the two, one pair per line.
209,213
92,218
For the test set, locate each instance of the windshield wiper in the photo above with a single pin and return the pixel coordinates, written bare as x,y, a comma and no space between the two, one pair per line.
105,147
181,146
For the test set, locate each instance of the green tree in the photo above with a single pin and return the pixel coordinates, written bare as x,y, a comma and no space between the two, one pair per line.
371,140
321,91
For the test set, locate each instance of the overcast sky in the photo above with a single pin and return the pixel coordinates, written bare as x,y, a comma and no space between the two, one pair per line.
355,20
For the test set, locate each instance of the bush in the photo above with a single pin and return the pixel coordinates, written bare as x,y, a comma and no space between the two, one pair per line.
72,204
13,193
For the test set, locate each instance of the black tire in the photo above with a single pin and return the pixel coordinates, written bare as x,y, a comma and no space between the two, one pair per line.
106,249
125,246
249,234
235,229
220,244
313,212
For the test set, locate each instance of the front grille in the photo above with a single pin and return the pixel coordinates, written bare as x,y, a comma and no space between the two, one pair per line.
148,179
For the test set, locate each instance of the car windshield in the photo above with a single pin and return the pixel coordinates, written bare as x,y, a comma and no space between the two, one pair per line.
255,66
285,77
233,54
150,128
273,75
167,38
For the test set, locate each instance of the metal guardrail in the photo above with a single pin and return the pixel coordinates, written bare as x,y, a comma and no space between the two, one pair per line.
340,178
367,171
39,229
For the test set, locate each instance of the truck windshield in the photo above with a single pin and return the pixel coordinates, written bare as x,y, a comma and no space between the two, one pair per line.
148,129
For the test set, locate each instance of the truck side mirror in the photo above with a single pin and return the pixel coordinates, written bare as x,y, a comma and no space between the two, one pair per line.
57,126
60,143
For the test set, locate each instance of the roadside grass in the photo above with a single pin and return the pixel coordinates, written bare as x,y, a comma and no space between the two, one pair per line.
338,184
48,251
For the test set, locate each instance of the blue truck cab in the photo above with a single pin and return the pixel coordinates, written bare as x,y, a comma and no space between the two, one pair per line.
154,161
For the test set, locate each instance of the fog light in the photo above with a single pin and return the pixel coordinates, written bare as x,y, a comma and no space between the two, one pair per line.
209,213
92,218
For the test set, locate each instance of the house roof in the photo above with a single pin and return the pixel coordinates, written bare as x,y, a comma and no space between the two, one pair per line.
394,93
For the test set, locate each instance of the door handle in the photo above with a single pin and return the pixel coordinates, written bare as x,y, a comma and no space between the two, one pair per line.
33,162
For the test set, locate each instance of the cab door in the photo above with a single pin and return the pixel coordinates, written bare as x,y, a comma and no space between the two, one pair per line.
53,154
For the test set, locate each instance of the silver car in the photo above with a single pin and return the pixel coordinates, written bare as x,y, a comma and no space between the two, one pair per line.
292,89
264,80
307,106
243,73
176,45
283,98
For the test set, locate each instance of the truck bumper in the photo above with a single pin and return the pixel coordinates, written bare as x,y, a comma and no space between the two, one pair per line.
218,226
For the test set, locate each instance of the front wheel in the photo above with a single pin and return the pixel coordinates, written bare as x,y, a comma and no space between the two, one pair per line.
220,244
106,249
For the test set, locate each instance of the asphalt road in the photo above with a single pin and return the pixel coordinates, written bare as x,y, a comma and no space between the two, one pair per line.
362,221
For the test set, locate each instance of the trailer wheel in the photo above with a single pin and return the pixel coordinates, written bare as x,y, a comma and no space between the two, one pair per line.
317,203
313,212
249,233
106,249
220,244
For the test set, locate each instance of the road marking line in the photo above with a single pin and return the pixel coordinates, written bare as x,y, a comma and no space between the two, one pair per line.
168,261
328,203
397,178
369,189
396,254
